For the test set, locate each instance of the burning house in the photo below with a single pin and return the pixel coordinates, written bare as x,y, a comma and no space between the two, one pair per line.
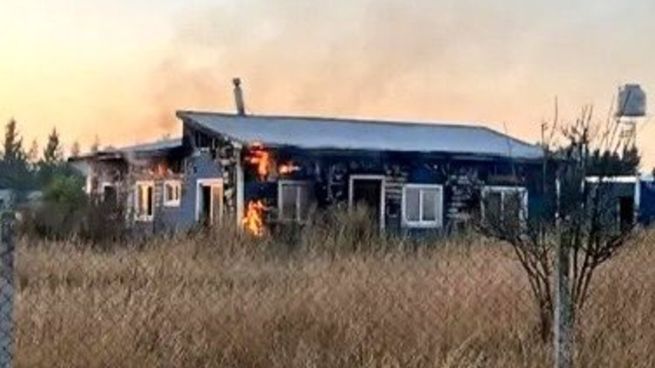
261,171
146,181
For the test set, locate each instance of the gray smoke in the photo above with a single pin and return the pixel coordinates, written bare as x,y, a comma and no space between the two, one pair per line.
335,57
463,60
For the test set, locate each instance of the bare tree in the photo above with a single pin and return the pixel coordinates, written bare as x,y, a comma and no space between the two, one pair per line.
578,215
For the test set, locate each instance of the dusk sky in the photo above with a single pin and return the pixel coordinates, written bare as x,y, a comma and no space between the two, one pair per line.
120,69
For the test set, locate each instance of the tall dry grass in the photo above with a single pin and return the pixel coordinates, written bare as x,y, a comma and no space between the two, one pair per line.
339,298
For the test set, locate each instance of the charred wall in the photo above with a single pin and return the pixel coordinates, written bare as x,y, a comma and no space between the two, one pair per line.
329,172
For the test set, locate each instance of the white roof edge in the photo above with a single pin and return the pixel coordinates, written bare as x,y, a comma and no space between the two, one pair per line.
626,179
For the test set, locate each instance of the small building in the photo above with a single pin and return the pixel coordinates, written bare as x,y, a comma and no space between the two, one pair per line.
629,199
264,171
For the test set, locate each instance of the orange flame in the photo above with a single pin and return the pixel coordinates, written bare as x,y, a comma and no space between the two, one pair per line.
161,169
260,158
254,219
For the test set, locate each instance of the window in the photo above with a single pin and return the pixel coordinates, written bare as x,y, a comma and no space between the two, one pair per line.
422,205
145,201
294,200
172,193
505,206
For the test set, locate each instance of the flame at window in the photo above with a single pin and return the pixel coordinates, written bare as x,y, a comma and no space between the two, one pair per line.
159,170
260,158
253,221
265,163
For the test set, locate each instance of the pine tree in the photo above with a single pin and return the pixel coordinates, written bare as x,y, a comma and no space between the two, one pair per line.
52,154
13,147
14,171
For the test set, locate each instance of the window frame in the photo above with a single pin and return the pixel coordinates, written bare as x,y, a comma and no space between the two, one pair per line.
212,183
298,184
177,189
144,217
503,190
437,223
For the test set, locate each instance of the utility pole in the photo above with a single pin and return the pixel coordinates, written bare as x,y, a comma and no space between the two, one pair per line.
563,318
563,311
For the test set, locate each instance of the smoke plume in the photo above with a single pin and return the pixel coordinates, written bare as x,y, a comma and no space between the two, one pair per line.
436,60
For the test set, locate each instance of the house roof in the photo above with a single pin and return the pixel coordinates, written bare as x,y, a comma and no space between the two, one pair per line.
356,134
161,145
151,148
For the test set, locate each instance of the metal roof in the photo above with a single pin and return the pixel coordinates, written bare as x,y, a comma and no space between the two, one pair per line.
162,145
356,134
137,149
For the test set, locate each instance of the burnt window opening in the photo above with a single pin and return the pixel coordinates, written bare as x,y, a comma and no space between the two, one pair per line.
176,166
505,207
202,140
109,194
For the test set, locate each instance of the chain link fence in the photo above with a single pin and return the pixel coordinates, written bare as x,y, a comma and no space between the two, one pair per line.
322,299
7,295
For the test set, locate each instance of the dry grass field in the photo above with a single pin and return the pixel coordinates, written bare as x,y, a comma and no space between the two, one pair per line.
336,299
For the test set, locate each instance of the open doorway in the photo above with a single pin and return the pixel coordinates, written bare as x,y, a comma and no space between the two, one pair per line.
109,194
626,212
209,201
368,190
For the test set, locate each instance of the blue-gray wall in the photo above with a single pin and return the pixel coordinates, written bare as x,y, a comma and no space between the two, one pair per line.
199,165
647,203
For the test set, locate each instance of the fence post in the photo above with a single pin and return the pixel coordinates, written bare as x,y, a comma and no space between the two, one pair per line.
563,309
6,289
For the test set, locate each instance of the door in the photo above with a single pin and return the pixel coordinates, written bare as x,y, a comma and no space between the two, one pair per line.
368,190
109,194
626,212
205,207
209,201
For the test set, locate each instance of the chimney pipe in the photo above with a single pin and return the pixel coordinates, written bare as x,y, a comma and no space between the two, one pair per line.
238,97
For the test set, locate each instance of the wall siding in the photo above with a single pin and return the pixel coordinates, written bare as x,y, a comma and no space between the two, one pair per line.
199,165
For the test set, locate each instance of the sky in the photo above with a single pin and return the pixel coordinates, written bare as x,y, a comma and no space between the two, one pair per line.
119,69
